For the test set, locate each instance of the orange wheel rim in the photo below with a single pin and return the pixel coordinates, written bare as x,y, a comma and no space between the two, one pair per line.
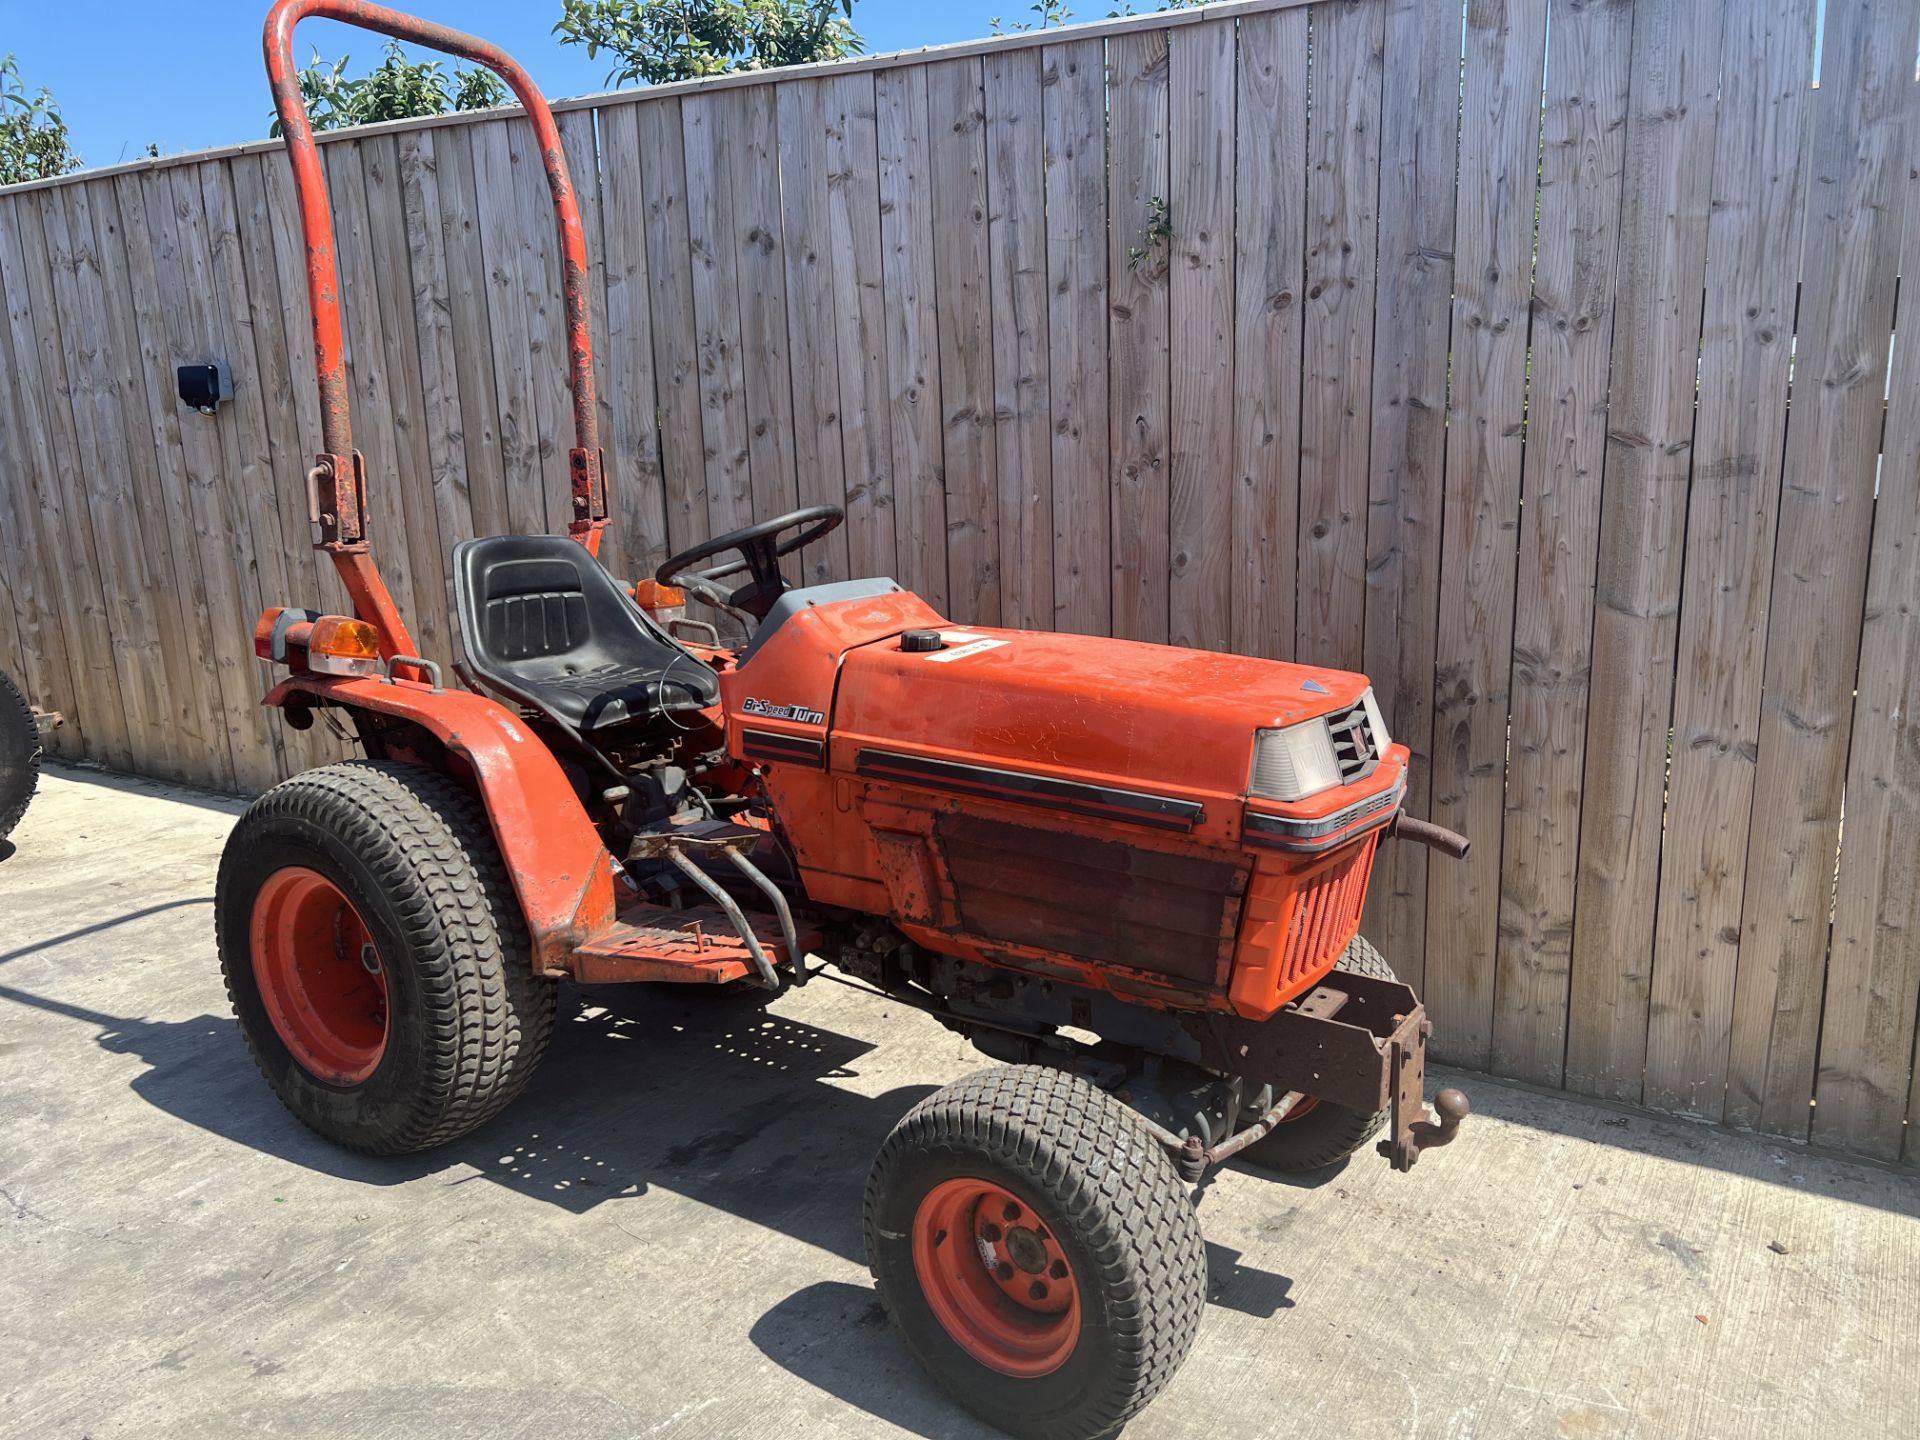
320,975
1303,1107
996,1278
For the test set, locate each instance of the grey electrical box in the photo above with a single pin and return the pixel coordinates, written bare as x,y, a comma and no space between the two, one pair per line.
205,386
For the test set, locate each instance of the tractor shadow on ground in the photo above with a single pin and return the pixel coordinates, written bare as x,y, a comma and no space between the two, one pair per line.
837,1338
707,1098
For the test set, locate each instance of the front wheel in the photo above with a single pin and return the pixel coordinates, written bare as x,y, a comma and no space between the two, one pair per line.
1316,1133
1037,1250
376,956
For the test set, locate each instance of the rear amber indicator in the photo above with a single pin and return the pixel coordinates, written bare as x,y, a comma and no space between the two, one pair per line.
341,646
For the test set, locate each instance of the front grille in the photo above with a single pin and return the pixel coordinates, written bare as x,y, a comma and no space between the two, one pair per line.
1295,923
1326,914
1355,747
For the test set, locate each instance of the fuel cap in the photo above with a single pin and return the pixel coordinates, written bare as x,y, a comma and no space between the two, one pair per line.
919,642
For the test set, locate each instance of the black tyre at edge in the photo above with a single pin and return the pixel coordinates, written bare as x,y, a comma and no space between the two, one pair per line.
1089,1167
413,852
19,755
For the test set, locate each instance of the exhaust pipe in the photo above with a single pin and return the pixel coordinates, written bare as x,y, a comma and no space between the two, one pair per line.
1424,832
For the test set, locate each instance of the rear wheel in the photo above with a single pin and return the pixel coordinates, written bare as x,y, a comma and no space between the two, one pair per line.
1317,1134
376,958
1037,1250
19,755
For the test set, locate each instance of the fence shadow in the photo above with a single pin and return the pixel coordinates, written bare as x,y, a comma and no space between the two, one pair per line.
1750,1155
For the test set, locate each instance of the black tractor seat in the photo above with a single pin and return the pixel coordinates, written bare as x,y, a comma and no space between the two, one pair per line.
544,625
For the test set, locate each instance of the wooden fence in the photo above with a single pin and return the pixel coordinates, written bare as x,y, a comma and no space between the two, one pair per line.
1460,354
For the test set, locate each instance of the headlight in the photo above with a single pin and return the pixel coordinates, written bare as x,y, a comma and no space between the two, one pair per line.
1293,763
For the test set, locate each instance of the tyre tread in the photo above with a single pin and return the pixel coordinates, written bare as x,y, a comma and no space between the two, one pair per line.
1094,1159
488,1017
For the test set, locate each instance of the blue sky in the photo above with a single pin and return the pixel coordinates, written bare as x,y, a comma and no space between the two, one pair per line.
189,76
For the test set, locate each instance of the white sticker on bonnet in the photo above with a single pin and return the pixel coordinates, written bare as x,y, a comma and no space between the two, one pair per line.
962,651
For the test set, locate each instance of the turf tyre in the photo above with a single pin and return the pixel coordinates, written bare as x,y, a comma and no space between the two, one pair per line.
468,1019
1086,1166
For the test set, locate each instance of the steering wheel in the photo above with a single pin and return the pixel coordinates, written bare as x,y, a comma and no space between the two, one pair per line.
760,553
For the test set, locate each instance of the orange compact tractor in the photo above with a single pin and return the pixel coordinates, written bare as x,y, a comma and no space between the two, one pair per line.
1132,874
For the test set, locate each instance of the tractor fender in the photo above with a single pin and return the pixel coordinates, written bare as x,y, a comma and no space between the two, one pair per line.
561,872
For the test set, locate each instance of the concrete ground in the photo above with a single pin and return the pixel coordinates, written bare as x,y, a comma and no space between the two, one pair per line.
663,1237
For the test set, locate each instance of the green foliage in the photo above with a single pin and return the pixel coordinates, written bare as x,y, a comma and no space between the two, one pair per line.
397,89
1049,15
657,41
1159,230
1053,13
33,137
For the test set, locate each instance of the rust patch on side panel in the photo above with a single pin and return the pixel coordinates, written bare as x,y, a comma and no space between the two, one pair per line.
1097,900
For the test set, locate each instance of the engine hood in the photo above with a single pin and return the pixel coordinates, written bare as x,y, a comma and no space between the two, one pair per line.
1110,712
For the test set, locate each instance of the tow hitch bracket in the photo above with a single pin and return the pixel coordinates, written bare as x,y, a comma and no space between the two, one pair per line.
1409,1131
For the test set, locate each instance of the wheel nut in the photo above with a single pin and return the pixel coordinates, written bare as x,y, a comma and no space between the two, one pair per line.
1058,1270
990,1233
1004,1270
1012,1212
1037,1290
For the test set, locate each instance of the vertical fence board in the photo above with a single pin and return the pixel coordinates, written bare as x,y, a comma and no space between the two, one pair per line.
638,504
1343,162
711,125
1572,334
1413,318
763,310
428,569
1201,144
1139,370
1270,151
375,434
914,414
1753,268
578,138
518,427
860,324
1863,137
436,347
819,461
1017,291
1074,107
1486,415
1672,81
956,126
671,265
